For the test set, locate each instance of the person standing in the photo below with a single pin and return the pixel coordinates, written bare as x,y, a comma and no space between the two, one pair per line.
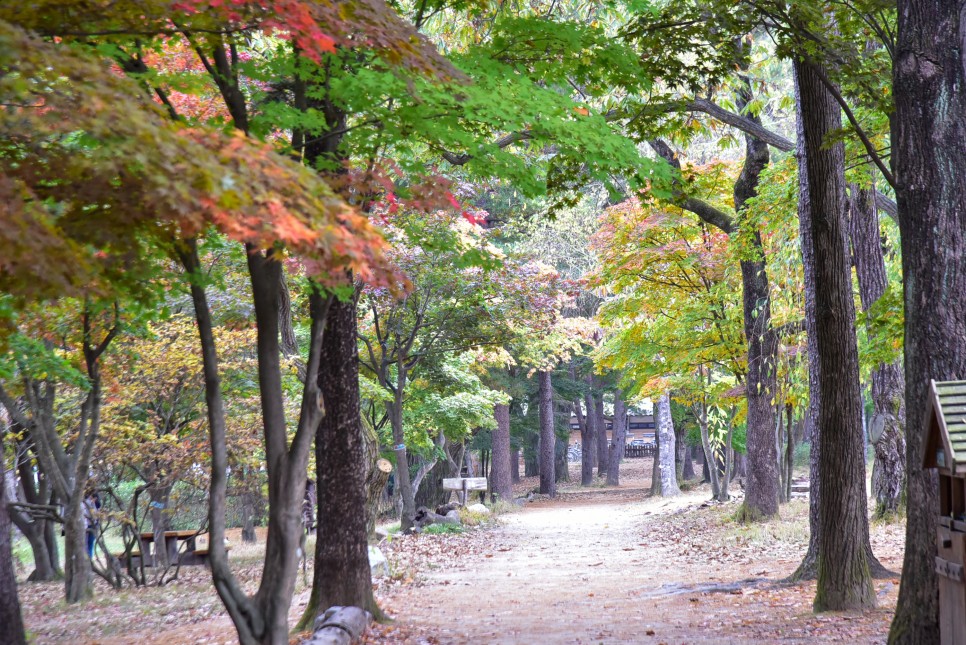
92,504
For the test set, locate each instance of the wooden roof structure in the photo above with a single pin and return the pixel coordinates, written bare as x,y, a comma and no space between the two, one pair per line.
945,440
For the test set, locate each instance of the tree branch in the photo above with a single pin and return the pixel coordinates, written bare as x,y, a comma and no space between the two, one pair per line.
702,209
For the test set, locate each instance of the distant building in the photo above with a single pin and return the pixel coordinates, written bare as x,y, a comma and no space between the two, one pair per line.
639,426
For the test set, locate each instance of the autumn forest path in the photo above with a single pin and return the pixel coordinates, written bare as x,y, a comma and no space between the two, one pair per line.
615,566
573,570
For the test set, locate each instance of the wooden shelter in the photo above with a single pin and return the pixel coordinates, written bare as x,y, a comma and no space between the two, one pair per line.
945,450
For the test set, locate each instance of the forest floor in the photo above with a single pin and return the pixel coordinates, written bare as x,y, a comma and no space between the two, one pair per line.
595,565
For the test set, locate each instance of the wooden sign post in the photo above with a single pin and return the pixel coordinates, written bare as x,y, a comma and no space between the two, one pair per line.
464,485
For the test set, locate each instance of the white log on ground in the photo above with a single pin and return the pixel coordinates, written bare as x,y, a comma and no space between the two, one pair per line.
340,626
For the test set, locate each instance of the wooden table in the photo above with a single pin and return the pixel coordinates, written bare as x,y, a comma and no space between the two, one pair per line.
172,545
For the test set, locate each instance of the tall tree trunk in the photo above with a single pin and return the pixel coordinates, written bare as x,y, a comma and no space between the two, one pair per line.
548,480
808,569
11,622
928,143
679,452
501,485
711,468
602,443
844,578
248,517
531,455
515,465
617,440
562,429
341,574
888,386
404,484
588,441
762,487
666,474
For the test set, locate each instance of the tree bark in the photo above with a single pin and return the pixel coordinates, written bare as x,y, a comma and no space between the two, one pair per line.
548,480
602,443
11,622
687,472
888,385
761,490
618,438
588,438
666,474
531,454
928,143
679,452
515,465
844,578
501,484
562,430
341,574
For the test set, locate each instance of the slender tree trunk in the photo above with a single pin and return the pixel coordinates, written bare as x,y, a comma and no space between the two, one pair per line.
679,452
789,453
531,455
11,622
618,438
404,485
844,578
77,566
888,386
928,144
341,574
711,467
762,488
666,474
562,430
515,465
808,569
159,521
248,517
548,480
602,443
588,439
501,484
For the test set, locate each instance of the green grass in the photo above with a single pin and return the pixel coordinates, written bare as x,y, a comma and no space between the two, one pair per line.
443,529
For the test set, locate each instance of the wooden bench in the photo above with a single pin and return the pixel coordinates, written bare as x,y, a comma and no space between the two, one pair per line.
463,485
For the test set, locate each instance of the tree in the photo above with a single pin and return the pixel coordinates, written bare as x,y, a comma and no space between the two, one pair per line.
887,383
665,473
500,477
618,438
11,623
548,481
64,458
844,579
927,143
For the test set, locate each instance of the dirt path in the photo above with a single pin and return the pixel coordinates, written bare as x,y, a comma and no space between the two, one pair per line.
564,572
600,568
